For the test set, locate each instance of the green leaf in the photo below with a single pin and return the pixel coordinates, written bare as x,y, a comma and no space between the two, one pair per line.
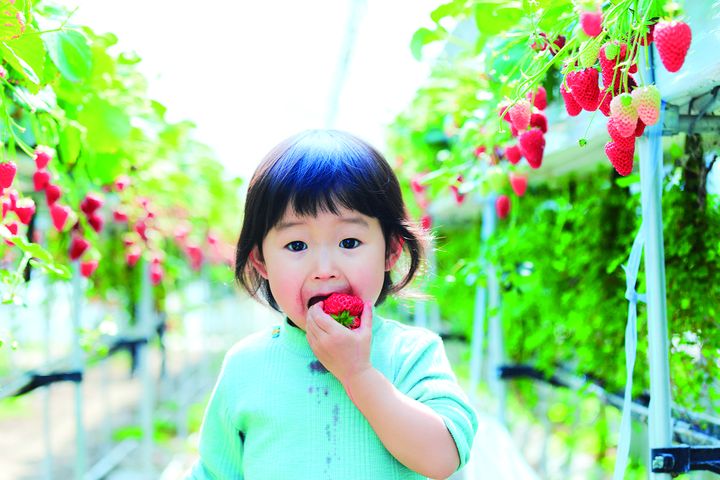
70,142
451,9
70,53
55,270
421,38
26,55
107,126
495,16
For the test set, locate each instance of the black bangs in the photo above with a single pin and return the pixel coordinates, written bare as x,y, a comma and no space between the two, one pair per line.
323,172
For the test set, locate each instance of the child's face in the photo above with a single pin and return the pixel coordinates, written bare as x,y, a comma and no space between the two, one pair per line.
309,257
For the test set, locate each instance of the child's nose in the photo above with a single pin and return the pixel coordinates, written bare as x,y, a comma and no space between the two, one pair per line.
325,266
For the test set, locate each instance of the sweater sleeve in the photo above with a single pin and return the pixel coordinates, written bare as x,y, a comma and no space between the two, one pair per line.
221,443
425,374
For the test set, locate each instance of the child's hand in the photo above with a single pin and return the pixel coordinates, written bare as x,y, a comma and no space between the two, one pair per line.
345,353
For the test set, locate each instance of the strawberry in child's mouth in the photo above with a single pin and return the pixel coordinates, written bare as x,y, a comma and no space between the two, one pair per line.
344,308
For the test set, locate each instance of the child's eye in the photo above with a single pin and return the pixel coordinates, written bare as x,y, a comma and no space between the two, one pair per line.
350,243
296,246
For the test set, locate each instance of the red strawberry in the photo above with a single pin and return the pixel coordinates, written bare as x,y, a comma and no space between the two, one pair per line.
520,114
344,308
5,207
426,222
504,111
621,159
41,179
12,227
604,102
59,214
557,44
43,155
88,267
415,184
538,98
133,255
610,56
141,229
196,256
96,222
25,209
459,197
538,120
52,193
480,150
571,106
120,216
78,245
156,273
7,174
584,88
90,203
625,143
513,154
591,23
518,183
639,128
502,206
532,145
122,182
672,40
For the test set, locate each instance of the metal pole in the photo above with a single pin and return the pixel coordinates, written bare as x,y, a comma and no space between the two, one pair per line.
146,406
651,169
78,364
47,418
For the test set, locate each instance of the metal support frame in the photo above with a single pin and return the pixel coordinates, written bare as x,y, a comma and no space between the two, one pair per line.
682,459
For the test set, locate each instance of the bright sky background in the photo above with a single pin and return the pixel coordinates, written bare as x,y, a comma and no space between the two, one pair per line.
250,74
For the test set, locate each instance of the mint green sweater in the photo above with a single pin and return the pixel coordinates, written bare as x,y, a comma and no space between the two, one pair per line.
277,414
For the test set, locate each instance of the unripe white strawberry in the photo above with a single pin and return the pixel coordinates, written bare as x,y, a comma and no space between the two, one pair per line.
646,101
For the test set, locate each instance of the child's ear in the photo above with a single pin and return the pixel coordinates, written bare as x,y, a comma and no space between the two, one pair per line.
257,263
396,247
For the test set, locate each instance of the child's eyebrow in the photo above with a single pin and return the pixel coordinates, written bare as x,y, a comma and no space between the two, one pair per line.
352,220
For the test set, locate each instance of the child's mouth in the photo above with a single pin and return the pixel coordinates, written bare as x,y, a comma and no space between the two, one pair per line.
316,299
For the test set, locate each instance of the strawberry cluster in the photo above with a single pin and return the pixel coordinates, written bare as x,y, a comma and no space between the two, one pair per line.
603,79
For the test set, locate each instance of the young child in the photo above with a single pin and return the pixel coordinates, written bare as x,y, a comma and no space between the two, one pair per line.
310,398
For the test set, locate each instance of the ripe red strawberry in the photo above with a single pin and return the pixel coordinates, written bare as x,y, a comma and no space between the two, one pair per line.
133,255
625,143
639,128
532,145
518,183
7,174
43,155
415,184
625,115
584,88
480,150
672,40
141,229
59,214
196,256
538,98
78,245
591,23
344,308
459,197
25,209
538,120
88,267
426,222
520,114
504,111
156,273
621,159
557,45
90,203
96,222
513,154
610,56
5,207
119,215
646,101
604,102
12,227
502,206
41,179
52,193
571,106
122,182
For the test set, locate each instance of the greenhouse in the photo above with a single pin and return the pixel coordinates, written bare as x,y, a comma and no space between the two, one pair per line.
362,239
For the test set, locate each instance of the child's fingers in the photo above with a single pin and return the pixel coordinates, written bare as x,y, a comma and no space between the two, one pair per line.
366,318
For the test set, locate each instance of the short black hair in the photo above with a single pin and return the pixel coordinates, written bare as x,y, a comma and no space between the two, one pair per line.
323,170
